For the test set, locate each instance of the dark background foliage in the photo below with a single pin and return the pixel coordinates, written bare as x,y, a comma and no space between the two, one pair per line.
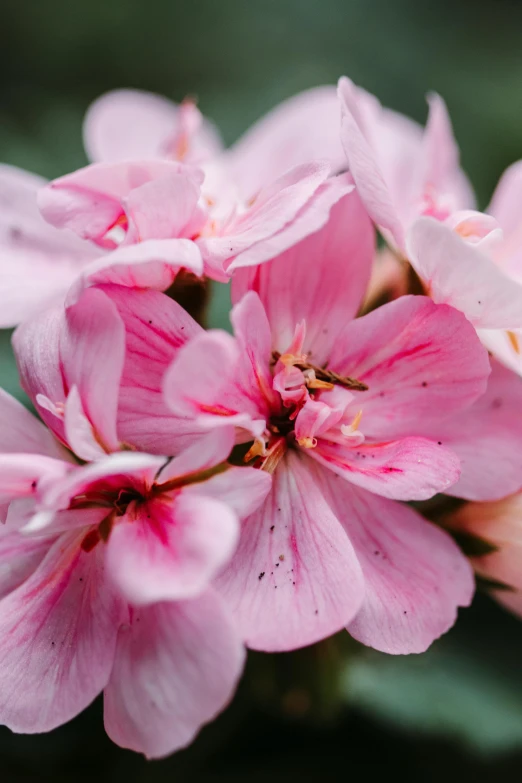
334,709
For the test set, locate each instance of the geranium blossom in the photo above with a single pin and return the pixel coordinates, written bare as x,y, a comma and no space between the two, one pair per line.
244,214
415,191
344,407
106,569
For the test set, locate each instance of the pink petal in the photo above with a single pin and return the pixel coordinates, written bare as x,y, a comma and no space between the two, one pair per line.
126,124
506,346
330,269
487,439
19,557
155,329
21,473
79,433
176,668
242,489
442,172
294,578
92,348
405,469
415,575
58,632
505,208
311,217
364,165
421,362
203,382
277,143
210,450
90,201
458,273
20,431
151,264
38,262
170,549
166,208
273,210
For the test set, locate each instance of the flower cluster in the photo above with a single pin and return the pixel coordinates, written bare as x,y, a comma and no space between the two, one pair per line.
188,493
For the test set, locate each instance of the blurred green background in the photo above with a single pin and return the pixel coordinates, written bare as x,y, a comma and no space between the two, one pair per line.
333,710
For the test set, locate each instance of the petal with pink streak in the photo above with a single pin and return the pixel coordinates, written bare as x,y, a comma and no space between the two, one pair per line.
170,548
277,143
20,431
59,630
151,264
126,124
155,330
487,439
415,575
252,331
421,361
330,272
294,578
176,668
19,557
458,273
90,201
405,469
92,347
38,262
363,162
202,382
315,418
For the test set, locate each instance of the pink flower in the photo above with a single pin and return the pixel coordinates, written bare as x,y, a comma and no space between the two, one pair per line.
339,412
106,575
129,124
94,371
400,171
166,208
415,191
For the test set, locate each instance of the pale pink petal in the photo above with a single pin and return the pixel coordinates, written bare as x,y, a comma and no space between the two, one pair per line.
294,578
170,549
311,217
58,630
210,450
315,418
126,124
38,262
90,201
303,128
273,210
36,345
420,361
330,270
457,273
364,165
487,439
506,346
505,207
21,473
151,264
202,382
415,575
242,489
176,668
20,431
155,329
166,208
441,159
19,557
92,349
405,469
79,433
